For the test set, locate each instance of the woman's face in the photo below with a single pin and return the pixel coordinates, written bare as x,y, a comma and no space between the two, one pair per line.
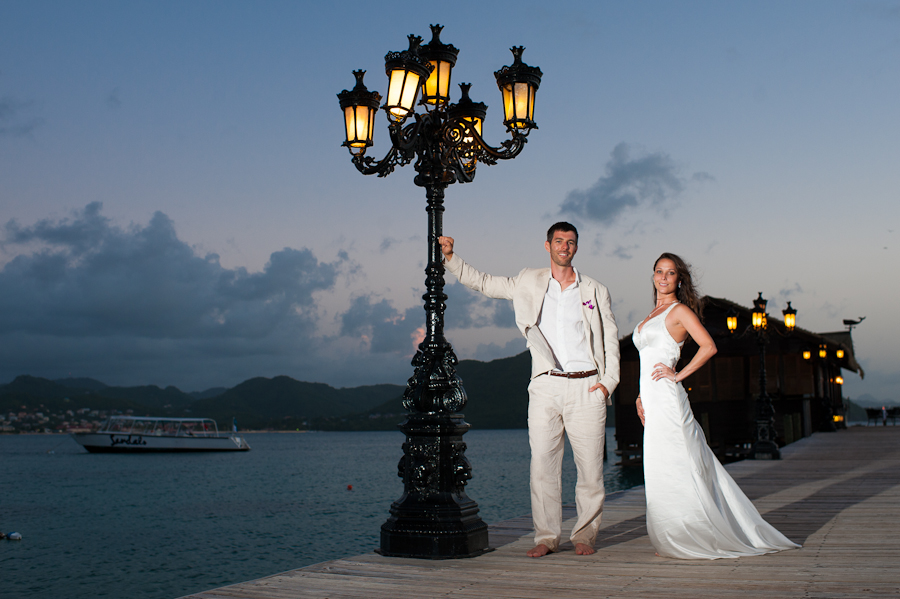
665,277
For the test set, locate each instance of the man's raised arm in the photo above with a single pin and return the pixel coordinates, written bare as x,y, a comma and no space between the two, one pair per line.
489,285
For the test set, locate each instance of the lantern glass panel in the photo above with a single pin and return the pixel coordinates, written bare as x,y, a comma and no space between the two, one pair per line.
358,120
403,87
839,353
523,101
822,353
475,123
437,86
757,320
508,111
790,320
732,323
807,355
350,124
518,105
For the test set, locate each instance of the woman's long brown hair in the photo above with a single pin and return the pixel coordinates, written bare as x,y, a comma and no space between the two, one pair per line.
687,292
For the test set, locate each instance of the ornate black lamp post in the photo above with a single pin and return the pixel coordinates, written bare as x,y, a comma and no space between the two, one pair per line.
764,445
434,518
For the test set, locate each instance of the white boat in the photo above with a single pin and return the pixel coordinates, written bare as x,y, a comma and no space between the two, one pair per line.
139,434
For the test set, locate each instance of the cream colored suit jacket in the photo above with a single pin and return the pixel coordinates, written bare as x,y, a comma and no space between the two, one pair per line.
526,290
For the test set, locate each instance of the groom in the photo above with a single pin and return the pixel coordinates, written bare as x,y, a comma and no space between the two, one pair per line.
571,332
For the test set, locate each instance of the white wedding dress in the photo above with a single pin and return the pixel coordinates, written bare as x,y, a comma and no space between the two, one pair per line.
695,510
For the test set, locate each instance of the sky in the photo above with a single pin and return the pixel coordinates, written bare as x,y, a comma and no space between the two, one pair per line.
176,207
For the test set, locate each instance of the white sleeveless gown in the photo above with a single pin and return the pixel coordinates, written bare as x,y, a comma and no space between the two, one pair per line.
695,510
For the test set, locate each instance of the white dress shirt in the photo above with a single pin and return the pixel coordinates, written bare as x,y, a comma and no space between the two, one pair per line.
562,325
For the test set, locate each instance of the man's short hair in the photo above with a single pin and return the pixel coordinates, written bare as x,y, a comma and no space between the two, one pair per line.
564,227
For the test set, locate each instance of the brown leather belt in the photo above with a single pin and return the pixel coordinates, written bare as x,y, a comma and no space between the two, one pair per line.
574,375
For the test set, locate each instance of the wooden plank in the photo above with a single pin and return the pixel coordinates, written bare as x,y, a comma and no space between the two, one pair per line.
836,493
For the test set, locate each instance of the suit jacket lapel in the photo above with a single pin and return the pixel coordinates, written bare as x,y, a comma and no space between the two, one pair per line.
588,309
537,302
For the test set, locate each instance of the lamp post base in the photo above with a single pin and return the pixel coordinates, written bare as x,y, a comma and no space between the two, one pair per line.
423,538
765,450
434,518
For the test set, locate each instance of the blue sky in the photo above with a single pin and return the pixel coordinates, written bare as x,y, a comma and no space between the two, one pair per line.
177,208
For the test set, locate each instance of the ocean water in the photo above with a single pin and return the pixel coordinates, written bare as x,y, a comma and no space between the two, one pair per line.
162,526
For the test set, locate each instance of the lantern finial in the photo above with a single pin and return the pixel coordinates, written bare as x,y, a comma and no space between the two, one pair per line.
442,58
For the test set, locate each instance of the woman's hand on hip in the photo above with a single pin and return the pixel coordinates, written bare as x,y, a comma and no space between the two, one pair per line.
661,371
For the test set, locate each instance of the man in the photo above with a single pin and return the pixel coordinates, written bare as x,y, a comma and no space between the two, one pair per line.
571,332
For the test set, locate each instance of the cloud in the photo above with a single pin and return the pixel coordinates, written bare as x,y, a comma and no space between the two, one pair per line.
381,327
136,304
386,244
90,278
624,253
12,123
491,351
467,309
83,296
389,242
630,182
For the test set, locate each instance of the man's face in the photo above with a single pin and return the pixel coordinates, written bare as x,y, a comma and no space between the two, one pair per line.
562,247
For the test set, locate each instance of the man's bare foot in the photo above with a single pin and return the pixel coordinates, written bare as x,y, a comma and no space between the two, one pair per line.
582,549
538,551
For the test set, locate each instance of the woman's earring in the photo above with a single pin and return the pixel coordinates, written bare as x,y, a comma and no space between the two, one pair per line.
679,284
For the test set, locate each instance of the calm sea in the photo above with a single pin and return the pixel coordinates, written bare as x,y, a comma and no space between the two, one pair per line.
162,526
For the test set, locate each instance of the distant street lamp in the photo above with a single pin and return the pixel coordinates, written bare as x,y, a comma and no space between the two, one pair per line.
790,317
764,445
731,320
434,518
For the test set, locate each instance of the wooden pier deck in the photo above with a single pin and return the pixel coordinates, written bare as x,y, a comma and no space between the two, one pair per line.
838,494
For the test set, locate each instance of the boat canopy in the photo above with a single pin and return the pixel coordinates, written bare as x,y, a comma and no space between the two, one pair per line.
149,425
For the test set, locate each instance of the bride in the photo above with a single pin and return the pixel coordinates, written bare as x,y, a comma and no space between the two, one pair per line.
695,510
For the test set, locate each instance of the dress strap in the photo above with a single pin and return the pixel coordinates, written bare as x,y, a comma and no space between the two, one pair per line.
669,309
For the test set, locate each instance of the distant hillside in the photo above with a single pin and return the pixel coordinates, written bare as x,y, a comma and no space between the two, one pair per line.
213,392
151,396
497,394
497,399
855,412
81,383
868,401
284,403
40,388
32,394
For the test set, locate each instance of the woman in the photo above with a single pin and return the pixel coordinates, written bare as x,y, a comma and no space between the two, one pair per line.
695,510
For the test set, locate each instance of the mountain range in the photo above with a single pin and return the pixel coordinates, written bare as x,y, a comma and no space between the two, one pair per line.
497,399
497,393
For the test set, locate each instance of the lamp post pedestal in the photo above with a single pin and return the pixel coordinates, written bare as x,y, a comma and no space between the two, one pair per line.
764,447
434,518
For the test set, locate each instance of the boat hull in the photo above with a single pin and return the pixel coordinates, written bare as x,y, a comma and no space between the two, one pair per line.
136,443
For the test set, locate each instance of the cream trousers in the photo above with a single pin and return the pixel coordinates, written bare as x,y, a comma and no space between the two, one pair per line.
557,406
